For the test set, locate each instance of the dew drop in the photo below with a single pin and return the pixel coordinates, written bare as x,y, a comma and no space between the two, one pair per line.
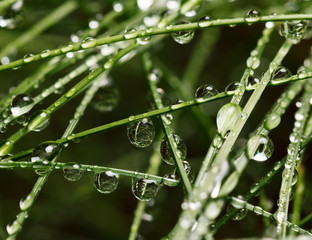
151,20
295,178
38,121
93,24
205,91
189,171
241,214
144,5
106,98
26,202
21,104
28,58
45,151
294,30
144,189
45,53
130,33
227,117
280,73
106,182
260,148
13,227
141,133
233,87
118,7
72,171
251,81
183,36
272,121
252,16
88,42
143,40
166,153
204,21
155,75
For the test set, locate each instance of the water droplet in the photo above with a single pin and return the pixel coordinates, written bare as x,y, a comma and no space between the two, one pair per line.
170,176
144,40
233,86
144,5
106,98
155,75
295,178
238,202
260,148
93,24
205,91
13,227
227,117
168,118
28,58
258,210
21,104
294,30
151,20
183,36
38,121
118,7
72,171
251,81
165,100
45,151
173,5
272,121
88,42
144,189
166,153
26,202
131,33
45,53
106,182
189,171
281,73
252,16
141,133
204,21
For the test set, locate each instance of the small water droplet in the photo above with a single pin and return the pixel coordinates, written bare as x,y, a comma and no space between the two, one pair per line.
166,153
144,189
106,182
141,133
144,40
205,91
204,21
241,214
118,7
45,151
294,30
93,24
233,87
26,202
260,148
183,36
252,16
295,178
151,20
258,210
251,81
38,121
21,104
28,58
227,117
155,75
189,171
106,98
130,33
72,171
45,53
13,227
88,42
168,118
272,121
281,73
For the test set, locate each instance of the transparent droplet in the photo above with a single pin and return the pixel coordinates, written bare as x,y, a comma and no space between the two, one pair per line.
252,16
72,171
141,133
294,30
166,153
13,227
281,73
183,36
106,98
21,104
238,202
22,119
205,91
38,121
227,117
233,87
88,42
170,176
93,24
151,20
155,75
45,151
189,171
251,81
204,21
168,118
45,53
144,189
28,58
241,214
144,5
260,148
26,202
295,178
106,182
272,121
131,33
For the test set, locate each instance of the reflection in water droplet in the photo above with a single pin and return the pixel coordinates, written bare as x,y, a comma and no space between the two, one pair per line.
260,148
38,121
144,189
166,153
131,33
280,73
72,171
45,151
183,36
252,16
21,104
141,133
205,91
189,171
294,30
106,182
204,21
272,121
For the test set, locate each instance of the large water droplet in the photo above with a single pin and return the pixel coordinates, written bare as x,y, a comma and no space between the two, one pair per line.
26,202
260,148
294,31
166,153
205,91
252,16
272,121
45,151
21,104
106,98
72,171
38,121
144,189
183,36
106,182
141,133
281,73
227,117
189,171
